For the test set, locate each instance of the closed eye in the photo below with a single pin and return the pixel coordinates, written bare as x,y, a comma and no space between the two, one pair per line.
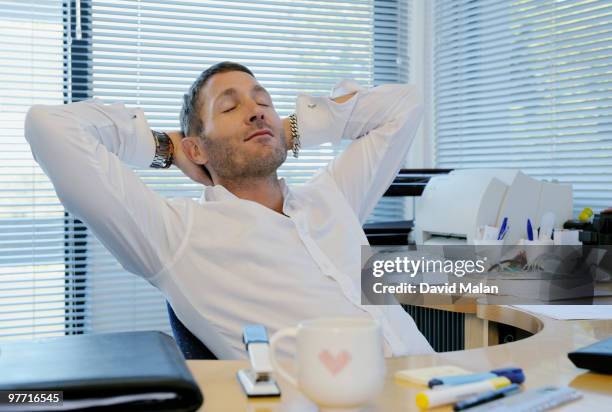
229,110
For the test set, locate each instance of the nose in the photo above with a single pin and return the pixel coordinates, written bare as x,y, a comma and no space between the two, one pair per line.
256,117
257,113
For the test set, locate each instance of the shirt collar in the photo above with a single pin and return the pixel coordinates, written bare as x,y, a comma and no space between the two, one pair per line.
284,187
219,192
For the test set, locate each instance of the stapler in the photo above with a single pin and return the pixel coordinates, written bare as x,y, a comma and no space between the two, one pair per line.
258,380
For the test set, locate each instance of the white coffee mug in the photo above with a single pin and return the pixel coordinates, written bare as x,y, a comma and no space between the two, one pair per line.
340,361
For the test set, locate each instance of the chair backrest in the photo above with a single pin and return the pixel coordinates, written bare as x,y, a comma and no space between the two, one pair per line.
190,345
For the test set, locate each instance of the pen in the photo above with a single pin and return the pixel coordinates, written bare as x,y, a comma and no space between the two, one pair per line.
485,397
502,229
503,235
529,230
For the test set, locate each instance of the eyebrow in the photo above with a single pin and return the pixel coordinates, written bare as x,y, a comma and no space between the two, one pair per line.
233,92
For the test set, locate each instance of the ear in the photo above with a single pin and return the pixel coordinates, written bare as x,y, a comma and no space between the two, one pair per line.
192,147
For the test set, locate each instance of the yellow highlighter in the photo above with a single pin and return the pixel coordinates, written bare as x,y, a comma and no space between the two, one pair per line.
442,396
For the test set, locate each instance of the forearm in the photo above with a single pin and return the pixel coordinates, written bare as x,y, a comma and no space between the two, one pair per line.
78,145
379,107
122,131
383,123
84,150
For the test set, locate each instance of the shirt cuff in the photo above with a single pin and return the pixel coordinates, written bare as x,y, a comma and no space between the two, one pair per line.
144,150
320,119
346,86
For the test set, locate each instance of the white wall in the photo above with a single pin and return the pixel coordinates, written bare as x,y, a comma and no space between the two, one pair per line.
421,154
421,75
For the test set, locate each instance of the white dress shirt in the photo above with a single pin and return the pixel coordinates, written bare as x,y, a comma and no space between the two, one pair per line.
225,262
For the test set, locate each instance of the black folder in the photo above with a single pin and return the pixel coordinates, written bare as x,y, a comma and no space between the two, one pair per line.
596,357
126,371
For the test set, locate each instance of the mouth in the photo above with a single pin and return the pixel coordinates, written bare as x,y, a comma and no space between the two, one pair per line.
260,132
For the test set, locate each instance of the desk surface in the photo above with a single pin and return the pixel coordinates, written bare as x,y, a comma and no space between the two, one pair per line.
543,357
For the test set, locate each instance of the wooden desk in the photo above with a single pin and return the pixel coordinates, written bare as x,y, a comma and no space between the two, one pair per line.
542,356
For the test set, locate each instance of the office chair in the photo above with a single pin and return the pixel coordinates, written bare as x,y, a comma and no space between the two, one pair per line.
190,345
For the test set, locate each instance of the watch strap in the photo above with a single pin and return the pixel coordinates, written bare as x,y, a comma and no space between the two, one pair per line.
163,150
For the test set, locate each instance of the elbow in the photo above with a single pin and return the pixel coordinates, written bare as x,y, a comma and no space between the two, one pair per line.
400,97
412,100
38,125
411,93
36,122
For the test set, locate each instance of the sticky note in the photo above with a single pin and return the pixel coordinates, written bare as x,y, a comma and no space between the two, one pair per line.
422,376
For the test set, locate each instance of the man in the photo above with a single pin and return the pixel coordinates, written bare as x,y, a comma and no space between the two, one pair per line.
252,250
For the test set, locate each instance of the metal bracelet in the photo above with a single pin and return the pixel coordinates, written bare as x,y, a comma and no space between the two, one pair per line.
163,150
295,133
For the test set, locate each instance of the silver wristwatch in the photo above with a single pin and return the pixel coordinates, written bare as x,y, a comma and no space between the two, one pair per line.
163,150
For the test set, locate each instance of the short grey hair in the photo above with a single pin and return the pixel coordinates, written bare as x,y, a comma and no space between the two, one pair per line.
191,123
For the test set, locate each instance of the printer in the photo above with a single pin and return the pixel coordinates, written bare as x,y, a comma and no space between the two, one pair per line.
453,206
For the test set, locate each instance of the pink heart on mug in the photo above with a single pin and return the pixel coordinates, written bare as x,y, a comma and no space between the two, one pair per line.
334,364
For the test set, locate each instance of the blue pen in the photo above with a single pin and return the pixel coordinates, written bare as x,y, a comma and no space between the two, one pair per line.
502,229
515,375
529,230
505,232
485,397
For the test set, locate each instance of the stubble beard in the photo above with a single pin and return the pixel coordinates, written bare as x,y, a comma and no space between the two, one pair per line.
231,165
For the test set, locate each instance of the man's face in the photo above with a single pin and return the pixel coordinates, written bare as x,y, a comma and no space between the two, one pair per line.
243,134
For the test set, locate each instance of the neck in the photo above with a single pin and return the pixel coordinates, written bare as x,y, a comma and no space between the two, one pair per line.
263,190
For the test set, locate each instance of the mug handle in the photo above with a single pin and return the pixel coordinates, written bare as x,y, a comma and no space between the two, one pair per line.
287,332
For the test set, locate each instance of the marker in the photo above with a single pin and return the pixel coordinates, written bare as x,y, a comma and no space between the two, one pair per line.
460,379
515,375
436,397
529,230
486,397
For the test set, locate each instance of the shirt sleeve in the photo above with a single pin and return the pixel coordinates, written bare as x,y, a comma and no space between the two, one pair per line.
85,148
383,122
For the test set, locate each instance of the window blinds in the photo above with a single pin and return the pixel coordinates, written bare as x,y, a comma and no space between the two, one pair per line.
391,65
32,226
146,54
527,84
